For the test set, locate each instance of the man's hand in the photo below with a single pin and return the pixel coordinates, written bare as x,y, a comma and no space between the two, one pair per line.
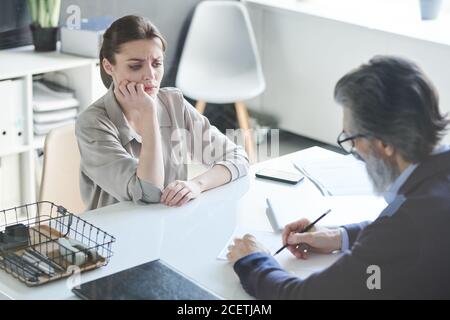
243,247
318,239
180,192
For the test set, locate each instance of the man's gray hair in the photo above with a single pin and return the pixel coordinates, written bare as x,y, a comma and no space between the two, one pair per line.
391,99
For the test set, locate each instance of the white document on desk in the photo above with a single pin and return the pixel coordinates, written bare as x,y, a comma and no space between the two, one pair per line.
272,241
341,175
344,210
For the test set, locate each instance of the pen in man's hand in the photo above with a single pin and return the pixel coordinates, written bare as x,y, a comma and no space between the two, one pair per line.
306,229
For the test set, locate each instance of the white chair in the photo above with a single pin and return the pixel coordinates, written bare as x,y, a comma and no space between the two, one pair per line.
220,61
61,171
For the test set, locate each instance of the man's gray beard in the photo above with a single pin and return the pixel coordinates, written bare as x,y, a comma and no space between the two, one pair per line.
381,173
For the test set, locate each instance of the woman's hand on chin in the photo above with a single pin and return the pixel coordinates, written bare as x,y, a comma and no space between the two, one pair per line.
180,192
138,106
132,97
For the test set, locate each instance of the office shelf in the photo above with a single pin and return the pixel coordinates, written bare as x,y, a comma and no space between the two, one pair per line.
14,150
80,74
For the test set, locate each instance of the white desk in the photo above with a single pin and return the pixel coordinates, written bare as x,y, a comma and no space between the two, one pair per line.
189,238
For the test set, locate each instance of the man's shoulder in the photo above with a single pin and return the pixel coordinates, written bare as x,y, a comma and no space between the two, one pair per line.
430,195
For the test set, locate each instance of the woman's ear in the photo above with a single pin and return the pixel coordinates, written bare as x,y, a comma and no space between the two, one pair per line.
107,66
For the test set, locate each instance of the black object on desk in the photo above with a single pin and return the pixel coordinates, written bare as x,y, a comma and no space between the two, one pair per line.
155,280
14,236
279,176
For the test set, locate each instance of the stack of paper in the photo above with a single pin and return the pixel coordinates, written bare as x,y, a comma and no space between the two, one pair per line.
52,108
340,175
55,116
344,210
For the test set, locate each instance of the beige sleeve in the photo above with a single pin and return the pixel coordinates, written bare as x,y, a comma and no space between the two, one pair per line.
211,147
106,162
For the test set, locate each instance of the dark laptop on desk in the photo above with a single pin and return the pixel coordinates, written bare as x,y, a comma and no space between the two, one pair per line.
155,280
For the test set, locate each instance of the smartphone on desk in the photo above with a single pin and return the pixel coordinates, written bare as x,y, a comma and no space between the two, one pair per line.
280,176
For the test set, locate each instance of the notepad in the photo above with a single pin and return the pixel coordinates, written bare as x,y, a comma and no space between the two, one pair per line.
344,210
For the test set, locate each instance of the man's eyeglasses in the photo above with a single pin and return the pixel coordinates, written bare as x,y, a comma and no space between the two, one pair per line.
347,143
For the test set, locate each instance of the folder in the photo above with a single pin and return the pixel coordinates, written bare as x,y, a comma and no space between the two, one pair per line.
154,280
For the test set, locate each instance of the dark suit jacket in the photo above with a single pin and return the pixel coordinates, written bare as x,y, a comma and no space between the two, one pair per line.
409,242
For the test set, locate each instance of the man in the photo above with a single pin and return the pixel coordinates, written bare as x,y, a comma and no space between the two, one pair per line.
391,122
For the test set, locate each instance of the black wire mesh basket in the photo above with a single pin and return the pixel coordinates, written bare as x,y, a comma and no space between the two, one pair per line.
43,242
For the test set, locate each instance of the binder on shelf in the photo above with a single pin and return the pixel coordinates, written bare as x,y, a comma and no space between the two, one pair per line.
4,119
12,118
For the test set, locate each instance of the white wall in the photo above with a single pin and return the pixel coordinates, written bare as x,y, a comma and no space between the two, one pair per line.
303,56
170,16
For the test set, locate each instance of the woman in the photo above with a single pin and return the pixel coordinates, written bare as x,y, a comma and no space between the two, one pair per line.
136,140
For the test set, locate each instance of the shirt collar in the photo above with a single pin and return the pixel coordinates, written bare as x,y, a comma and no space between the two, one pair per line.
126,132
392,191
